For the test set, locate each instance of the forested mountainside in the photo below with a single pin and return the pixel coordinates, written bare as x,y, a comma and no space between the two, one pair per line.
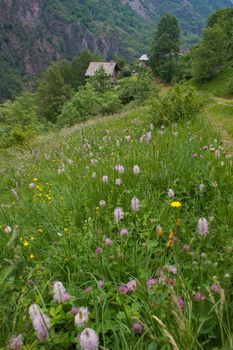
34,32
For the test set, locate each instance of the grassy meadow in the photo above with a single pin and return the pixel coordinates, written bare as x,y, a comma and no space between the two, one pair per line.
112,210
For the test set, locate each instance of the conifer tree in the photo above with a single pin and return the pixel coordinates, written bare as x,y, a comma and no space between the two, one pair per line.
165,48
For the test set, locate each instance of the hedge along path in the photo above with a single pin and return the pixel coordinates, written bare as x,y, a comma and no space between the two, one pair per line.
217,124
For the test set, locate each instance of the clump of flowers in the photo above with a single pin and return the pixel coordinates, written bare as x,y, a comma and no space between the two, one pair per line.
203,226
135,204
40,321
89,340
82,317
118,214
59,292
120,169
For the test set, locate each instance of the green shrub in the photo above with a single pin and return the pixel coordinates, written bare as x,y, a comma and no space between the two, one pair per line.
88,102
19,120
139,88
180,103
110,103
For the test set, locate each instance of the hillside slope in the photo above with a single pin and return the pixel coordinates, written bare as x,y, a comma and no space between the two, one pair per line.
32,33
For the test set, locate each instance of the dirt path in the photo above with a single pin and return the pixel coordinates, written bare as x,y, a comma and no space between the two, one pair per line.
227,139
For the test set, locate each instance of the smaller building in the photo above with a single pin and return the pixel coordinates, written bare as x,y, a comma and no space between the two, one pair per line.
144,59
110,68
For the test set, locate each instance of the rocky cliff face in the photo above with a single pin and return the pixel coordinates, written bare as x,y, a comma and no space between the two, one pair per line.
34,32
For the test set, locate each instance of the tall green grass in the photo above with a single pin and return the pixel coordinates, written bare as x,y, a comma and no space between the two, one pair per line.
58,224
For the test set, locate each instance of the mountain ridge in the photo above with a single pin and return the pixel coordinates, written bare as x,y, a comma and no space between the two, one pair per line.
35,32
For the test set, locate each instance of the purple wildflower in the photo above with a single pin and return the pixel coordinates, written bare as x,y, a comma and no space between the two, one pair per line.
89,340
170,193
132,285
118,214
215,288
137,328
171,282
108,242
100,284
186,248
180,301
199,297
40,321
124,232
202,226
74,311
150,282
99,250
173,270
135,204
120,169
16,342
123,289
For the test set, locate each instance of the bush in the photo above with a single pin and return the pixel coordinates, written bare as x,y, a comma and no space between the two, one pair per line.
19,120
180,103
88,102
110,103
139,88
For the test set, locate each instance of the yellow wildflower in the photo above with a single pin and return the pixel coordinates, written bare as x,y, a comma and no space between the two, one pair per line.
26,243
31,256
169,244
176,204
40,230
35,179
171,234
66,229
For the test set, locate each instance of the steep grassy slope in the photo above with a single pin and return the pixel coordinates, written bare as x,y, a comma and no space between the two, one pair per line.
51,197
222,83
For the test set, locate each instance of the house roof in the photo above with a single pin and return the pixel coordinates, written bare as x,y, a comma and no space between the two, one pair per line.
144,58
108,67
